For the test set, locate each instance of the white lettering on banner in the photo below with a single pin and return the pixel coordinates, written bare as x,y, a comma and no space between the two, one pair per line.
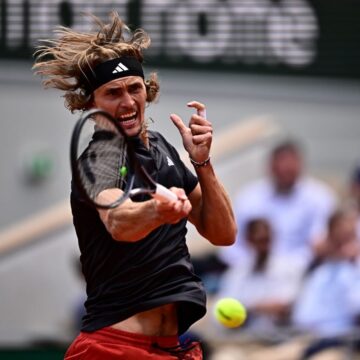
230,31
15,25
97,8
292,31
44,16
256,31
185,32
155,18
249,36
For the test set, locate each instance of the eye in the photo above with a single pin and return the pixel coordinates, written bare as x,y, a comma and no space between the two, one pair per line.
134,88
111,92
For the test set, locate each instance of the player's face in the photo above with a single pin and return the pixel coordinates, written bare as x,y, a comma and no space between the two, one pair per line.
125,100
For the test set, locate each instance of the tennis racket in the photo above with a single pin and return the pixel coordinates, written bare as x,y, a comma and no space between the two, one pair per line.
103,158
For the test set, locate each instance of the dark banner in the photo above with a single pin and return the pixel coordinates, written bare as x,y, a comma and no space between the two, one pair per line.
318,37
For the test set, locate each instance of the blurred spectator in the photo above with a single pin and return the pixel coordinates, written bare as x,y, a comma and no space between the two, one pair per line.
355,195
328,307
296,205
330,299
326,312
265,283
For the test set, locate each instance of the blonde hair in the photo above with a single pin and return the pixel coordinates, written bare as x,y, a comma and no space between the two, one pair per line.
66,61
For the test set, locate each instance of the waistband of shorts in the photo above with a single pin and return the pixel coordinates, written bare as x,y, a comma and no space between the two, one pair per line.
110,334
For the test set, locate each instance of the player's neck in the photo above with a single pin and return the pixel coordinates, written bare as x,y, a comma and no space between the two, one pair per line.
144,137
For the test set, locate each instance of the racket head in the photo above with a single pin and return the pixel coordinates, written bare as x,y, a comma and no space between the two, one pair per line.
101,160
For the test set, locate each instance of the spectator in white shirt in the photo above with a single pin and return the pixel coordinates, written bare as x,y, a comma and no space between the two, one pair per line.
330,299
265,283
296,205
327,308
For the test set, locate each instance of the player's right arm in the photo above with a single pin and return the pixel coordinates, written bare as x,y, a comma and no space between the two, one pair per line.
132,221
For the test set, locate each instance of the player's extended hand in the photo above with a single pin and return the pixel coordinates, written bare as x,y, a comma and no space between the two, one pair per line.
173,211
197,137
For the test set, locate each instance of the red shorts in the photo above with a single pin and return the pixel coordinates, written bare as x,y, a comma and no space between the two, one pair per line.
112,344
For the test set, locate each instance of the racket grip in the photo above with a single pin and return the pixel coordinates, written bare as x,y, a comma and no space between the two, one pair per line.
164,194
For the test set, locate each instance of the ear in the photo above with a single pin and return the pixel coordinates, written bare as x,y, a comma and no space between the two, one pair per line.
90,103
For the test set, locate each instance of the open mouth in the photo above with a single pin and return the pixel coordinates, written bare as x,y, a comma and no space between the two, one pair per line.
128,118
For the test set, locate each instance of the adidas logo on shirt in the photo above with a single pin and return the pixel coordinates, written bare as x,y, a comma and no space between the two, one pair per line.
169,161
120,68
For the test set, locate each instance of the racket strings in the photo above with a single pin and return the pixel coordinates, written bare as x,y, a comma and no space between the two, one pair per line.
101,162
122,167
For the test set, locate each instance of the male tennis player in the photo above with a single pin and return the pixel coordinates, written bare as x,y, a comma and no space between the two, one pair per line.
142,292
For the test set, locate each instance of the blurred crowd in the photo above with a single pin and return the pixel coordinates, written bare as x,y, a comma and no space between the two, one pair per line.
295,265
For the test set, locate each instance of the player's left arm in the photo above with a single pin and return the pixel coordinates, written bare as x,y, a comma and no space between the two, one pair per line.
211,212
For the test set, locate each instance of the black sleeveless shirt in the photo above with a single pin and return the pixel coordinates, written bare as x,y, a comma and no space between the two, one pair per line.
125,278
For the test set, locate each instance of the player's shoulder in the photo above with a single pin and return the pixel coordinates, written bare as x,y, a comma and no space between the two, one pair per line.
160,140
155,135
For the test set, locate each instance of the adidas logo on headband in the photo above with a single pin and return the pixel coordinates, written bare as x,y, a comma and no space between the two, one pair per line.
120,68
114,69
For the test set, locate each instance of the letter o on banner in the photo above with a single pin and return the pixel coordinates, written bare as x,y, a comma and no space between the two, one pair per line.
187,35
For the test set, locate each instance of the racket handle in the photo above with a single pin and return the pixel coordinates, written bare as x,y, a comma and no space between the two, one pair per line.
164,194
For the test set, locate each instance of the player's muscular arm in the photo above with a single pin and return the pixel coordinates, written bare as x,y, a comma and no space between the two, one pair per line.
212,212
132,221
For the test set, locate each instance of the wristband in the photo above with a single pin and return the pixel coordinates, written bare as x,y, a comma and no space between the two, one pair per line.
200,164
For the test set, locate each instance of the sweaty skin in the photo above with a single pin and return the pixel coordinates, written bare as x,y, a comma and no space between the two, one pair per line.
161,321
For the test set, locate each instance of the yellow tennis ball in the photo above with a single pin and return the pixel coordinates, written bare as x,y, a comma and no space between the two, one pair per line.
230,312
